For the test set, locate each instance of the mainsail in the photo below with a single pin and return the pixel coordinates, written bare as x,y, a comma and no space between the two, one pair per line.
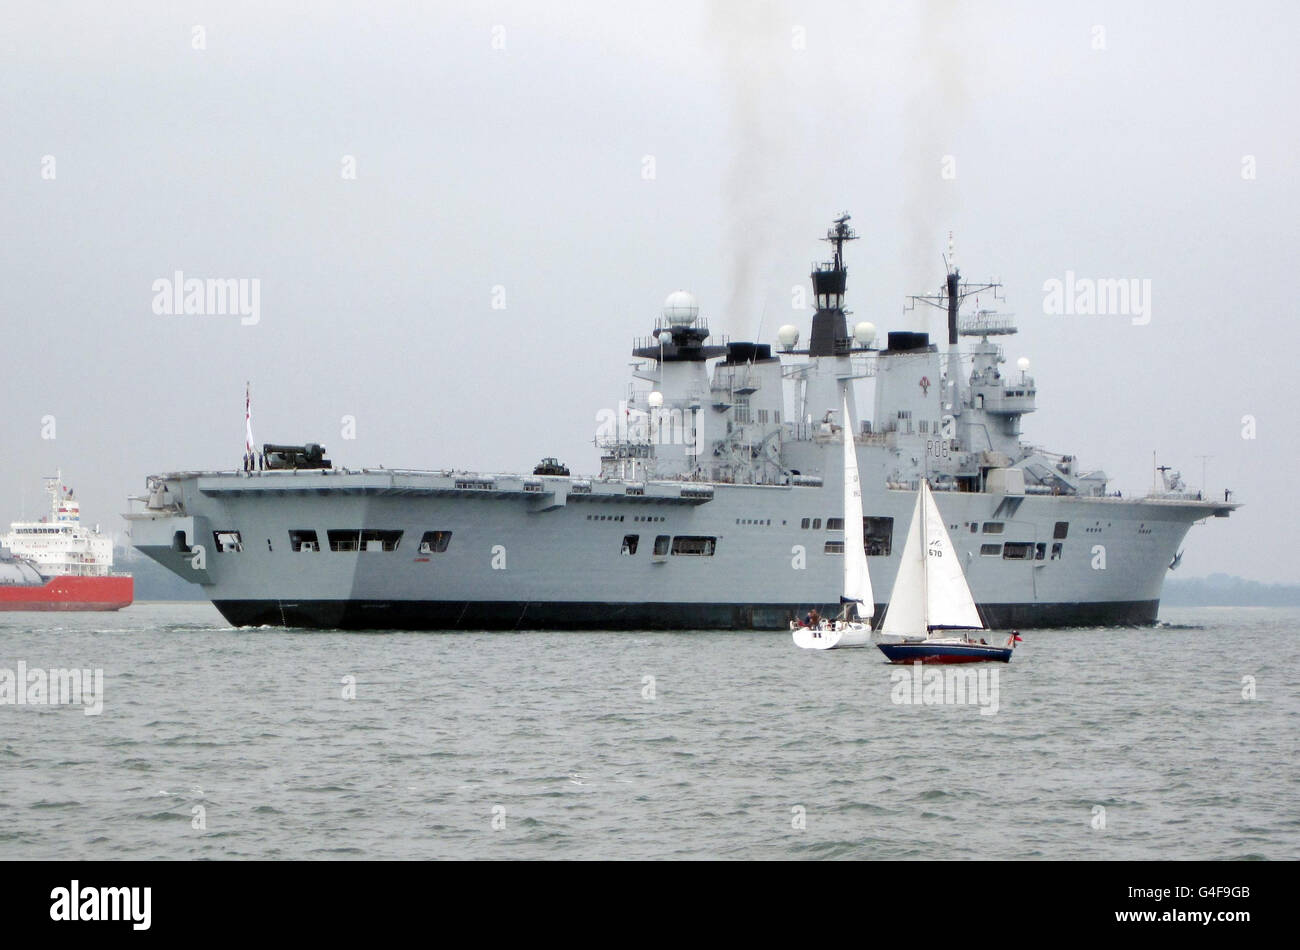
905,614
857,579
947,595
930,590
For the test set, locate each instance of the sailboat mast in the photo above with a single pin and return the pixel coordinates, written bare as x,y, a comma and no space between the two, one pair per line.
857,576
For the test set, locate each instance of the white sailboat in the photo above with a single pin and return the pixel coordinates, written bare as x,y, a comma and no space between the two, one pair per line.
852,628
931,608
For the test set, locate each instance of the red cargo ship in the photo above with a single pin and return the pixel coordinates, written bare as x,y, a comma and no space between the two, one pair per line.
58,564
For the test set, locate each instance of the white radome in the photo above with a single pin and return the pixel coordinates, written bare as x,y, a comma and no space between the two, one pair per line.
865,333
681,308
1023,363
788,336
655,399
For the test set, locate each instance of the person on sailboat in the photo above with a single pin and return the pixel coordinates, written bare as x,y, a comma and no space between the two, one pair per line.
813,618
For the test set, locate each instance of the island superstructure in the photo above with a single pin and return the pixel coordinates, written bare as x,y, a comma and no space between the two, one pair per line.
716,502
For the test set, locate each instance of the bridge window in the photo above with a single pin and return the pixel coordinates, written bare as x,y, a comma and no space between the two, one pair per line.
303,540
877,536
434,542
1017,551
630,543
694,546
228,542
373,539
817,524
661,545
834,524
344,540
834,547
1056,551
993,527
1061,530
805,522
1040,550
990,550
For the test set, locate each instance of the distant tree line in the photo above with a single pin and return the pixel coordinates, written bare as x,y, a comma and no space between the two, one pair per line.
1223,590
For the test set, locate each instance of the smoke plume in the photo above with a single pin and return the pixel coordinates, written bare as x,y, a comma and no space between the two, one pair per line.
753,45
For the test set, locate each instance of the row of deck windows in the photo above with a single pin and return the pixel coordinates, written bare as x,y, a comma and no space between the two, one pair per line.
436,542
877,534
832,524
342,540
682,544
621,517
1021,550
1059,531
877,539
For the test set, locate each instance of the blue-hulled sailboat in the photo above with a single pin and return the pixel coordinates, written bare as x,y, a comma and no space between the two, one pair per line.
931,612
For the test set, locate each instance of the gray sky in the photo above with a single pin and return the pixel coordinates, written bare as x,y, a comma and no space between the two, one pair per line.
523,168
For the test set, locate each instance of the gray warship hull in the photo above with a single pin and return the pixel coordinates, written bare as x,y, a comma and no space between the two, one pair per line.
525,553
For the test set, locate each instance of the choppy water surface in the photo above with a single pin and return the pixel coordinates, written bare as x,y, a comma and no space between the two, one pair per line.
558,745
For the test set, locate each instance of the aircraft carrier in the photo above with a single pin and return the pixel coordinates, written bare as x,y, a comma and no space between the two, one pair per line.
718,503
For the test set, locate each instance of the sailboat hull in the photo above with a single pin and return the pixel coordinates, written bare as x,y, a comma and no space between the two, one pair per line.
944,653
832,636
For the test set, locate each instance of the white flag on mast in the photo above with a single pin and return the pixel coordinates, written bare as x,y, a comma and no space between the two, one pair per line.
248,420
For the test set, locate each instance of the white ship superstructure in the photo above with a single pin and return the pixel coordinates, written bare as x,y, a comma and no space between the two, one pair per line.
59,544
56,563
